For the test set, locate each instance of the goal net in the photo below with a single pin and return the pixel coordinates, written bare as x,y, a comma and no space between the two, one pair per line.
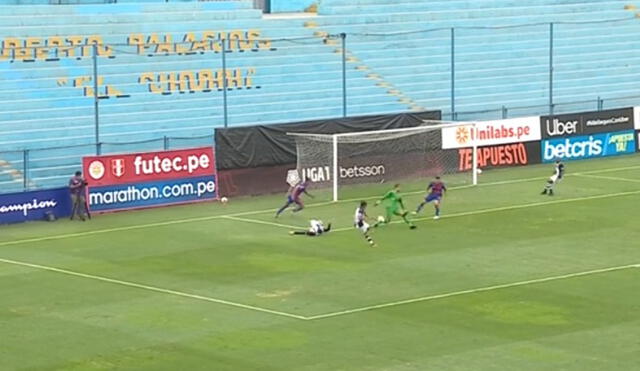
339,161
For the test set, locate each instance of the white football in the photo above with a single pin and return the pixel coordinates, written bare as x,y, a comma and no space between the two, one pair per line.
224,200
381,218
479,171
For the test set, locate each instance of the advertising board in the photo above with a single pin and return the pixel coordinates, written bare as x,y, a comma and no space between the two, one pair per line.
587,123
34,205
136,180
488,133
588,146
503,155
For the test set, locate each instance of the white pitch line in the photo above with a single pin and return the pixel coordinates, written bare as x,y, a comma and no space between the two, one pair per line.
314,317
264,222
213,217
471,291
152,288
608,177
610,170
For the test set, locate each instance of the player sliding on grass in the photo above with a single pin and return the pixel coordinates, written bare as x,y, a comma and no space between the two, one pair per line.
294,197
360,222
558,173
393,206
317,228
436,191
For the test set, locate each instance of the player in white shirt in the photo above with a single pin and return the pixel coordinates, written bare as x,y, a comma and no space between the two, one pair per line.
558,174
360,222
316,228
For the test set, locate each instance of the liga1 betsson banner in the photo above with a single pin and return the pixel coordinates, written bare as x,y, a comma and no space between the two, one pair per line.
150,179
491,133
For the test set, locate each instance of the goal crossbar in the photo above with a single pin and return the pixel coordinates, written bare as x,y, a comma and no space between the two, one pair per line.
386,131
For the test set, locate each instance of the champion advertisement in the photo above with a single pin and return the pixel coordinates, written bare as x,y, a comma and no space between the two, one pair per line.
587,123
118,182
488,133
34,205
591,146
516,154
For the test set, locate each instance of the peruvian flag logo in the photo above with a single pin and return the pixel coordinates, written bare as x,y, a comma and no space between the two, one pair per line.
117,167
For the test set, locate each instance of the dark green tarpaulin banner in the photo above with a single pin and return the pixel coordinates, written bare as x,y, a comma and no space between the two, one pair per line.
269,145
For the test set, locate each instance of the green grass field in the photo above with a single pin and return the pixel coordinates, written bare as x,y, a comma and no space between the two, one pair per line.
506,280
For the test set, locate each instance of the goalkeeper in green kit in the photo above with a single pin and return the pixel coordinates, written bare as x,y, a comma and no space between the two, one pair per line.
394,206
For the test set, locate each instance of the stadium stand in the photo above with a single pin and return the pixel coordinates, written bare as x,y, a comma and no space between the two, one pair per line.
289,68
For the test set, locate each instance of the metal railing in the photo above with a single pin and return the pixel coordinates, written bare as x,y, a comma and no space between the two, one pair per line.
30,169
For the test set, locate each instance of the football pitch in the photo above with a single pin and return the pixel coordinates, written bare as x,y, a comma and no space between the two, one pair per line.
507,279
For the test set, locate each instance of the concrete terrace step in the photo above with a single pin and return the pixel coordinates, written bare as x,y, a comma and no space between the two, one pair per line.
508,20
473,11
459,4
106,9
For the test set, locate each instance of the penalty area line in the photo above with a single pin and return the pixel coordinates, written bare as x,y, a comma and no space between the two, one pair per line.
263,222
152,288
471,291
605,177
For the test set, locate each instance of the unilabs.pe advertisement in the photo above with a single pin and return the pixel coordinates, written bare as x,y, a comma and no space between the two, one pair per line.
491,133
137,180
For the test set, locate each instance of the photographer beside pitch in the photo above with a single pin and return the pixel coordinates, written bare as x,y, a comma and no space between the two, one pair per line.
77,186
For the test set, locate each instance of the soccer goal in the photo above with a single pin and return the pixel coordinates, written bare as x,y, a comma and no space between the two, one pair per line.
416,153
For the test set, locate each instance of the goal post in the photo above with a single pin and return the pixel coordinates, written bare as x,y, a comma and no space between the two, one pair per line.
373,157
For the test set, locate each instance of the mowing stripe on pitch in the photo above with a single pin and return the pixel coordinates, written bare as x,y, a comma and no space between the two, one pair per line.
264,222
514,207
472,291
255,212
619,179
152,288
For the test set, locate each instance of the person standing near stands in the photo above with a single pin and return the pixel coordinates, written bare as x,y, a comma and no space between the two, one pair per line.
78,202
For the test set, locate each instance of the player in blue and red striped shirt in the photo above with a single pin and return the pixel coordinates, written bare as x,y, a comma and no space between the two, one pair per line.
295,197
436,191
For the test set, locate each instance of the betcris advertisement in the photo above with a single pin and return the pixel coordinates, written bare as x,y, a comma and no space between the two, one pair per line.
34,205
589,146
150,179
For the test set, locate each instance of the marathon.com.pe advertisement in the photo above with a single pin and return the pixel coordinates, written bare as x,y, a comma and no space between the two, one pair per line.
34,205
127,181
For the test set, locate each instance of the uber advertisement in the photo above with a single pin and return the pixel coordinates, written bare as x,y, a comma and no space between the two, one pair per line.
127,181
596,122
